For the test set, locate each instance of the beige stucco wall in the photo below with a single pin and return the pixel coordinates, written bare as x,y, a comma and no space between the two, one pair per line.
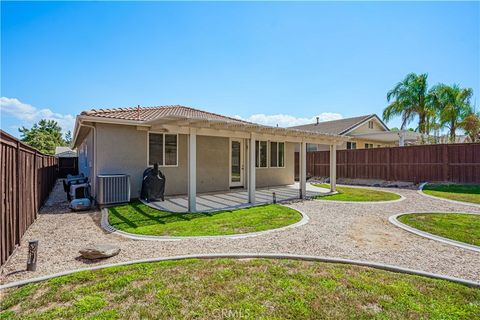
361,144
85,156
123,149
365,129
213,163
212,166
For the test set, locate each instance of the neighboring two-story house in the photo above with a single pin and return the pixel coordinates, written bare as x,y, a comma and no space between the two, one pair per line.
367,131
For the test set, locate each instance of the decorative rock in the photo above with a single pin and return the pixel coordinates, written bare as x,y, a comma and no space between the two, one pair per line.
99,251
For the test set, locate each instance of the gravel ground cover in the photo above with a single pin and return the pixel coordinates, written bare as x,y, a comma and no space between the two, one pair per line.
358,231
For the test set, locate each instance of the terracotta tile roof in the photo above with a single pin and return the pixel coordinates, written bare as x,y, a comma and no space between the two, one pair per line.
340,126
150,113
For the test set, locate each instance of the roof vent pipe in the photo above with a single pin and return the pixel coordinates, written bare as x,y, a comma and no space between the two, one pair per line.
318,120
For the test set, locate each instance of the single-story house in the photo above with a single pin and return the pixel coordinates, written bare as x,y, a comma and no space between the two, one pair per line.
198,151
367,131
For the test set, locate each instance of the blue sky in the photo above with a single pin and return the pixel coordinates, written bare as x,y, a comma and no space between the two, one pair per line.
269,62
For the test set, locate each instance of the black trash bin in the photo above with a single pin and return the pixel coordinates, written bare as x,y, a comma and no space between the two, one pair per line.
153,185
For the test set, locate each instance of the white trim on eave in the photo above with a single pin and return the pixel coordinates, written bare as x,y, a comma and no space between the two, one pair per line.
361,123
266,132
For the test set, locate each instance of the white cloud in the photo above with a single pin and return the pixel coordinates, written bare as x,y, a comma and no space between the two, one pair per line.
285,120
28,114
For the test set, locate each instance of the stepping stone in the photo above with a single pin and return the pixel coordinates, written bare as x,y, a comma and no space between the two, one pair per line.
99,251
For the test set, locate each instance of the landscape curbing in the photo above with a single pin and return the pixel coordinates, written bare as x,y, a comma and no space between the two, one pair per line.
109,228
364,202
420,191
393,219
374,265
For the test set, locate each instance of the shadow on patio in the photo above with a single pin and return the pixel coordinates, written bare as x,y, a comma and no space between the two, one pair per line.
234,199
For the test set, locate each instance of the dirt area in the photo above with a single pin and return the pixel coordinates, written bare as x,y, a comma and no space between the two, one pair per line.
374,232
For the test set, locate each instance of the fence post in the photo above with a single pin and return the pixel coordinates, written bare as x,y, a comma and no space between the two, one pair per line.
445,162
345,165
17,195
32,255
388,177
367,167
35,193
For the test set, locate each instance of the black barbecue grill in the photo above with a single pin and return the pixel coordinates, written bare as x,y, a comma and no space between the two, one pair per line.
153,185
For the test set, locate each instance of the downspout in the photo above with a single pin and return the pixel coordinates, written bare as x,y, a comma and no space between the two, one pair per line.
94,174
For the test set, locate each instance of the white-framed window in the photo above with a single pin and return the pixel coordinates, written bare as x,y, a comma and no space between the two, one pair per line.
261,152
163,149
368,145
277,154
370,124
351,145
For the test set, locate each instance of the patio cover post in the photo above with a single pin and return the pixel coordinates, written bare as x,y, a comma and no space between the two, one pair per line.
333,167
303,170
192,170
251,171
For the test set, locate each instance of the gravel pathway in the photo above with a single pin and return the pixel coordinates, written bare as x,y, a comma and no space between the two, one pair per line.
358,231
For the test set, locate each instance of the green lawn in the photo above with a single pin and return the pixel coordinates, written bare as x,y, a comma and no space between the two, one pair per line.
459,192
357,194
139,218
456,226
241,289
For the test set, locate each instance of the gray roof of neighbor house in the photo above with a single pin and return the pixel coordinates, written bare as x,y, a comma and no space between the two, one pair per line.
341,126
65,152
151,113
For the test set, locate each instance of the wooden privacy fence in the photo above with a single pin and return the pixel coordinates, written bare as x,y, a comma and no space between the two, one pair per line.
434,163
27,177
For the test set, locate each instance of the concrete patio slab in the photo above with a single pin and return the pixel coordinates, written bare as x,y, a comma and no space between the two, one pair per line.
235,198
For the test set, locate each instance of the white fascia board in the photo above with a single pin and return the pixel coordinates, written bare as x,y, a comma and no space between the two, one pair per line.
361,123
113,121
225,129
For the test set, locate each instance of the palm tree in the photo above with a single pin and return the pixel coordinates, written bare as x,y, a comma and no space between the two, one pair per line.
452,104
409,98
471,125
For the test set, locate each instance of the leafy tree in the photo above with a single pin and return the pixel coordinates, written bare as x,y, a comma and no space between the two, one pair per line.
452,104
471,125
44,136
408,99
68,137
